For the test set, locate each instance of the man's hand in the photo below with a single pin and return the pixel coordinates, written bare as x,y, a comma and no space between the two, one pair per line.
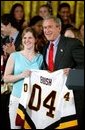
9,48
66,71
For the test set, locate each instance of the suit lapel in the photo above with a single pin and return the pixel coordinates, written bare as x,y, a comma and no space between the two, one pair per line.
60,52
44,53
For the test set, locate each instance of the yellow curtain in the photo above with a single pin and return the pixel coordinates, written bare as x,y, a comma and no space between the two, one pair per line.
54,7
27,8
34,8
6,6
42,2
31,8
79,13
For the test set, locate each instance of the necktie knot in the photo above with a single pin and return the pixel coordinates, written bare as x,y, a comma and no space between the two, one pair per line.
51,45
11,39
8,39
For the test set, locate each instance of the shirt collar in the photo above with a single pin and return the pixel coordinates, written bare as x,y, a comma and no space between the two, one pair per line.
56,41
14,36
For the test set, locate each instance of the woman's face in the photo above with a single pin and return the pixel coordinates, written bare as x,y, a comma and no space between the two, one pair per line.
38,27
65,14
69,33
28,41
43,12
18,13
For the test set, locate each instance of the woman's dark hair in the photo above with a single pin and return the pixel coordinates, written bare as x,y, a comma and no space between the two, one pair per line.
35,20
16,23
63,5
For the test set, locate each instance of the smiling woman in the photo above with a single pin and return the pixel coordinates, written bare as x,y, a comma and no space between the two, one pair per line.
21,64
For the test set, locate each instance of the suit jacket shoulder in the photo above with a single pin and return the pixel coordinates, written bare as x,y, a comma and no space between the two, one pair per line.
18,42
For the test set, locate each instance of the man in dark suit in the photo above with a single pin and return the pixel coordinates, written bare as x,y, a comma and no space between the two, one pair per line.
68,54
10,33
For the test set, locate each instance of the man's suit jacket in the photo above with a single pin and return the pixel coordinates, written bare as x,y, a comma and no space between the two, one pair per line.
18,42
70,53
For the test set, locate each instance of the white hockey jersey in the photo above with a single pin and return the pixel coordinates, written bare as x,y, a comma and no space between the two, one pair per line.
46,102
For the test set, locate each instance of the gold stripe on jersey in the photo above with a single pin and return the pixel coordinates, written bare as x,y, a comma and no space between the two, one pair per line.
26,125
22,116
67,124
61,126
20,112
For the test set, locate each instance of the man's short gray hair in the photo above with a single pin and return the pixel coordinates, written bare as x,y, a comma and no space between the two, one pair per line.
56,20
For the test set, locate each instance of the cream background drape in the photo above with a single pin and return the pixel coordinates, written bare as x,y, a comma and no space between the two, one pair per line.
31,8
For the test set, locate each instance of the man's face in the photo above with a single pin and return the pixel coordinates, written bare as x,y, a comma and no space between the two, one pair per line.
5,29
51,29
